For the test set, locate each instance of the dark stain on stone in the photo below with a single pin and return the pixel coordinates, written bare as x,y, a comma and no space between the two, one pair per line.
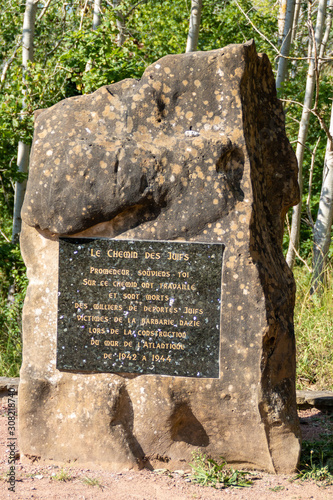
123,416
186,427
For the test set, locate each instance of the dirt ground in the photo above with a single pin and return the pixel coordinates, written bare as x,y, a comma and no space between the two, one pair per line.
35,481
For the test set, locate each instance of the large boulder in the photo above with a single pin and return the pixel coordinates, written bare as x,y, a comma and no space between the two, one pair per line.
196,150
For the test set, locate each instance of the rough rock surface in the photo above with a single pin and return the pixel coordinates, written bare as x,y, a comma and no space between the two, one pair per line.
195,150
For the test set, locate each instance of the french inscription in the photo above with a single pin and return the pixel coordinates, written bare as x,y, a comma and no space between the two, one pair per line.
146,307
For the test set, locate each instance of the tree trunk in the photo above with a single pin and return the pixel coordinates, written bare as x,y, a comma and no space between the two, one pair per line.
120,24
96,23
322,228
326,33
295,22
193,32
303,132
24,149
285,44
281,20
97,14
23,152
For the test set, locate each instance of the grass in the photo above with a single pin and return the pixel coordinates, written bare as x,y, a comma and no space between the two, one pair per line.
91,481
317,461
277,488
208,472
316,465
314,333
62,475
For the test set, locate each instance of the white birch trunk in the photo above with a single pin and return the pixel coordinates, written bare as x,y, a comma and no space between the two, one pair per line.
96,23
326,33
296,16
285,44
97,14
24,149
322,228
23,152
303,132
120,24
323,225
281,19
193,32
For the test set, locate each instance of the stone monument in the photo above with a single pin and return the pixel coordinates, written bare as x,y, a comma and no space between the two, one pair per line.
159,313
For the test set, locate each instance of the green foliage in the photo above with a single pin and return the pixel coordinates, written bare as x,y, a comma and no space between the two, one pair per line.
208,472
314,333
72,59
317,461
222,24
13,283
110,63
12,279
293,113
292,92
159,27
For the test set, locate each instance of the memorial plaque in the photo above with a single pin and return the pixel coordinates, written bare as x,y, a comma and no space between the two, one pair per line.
148,307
